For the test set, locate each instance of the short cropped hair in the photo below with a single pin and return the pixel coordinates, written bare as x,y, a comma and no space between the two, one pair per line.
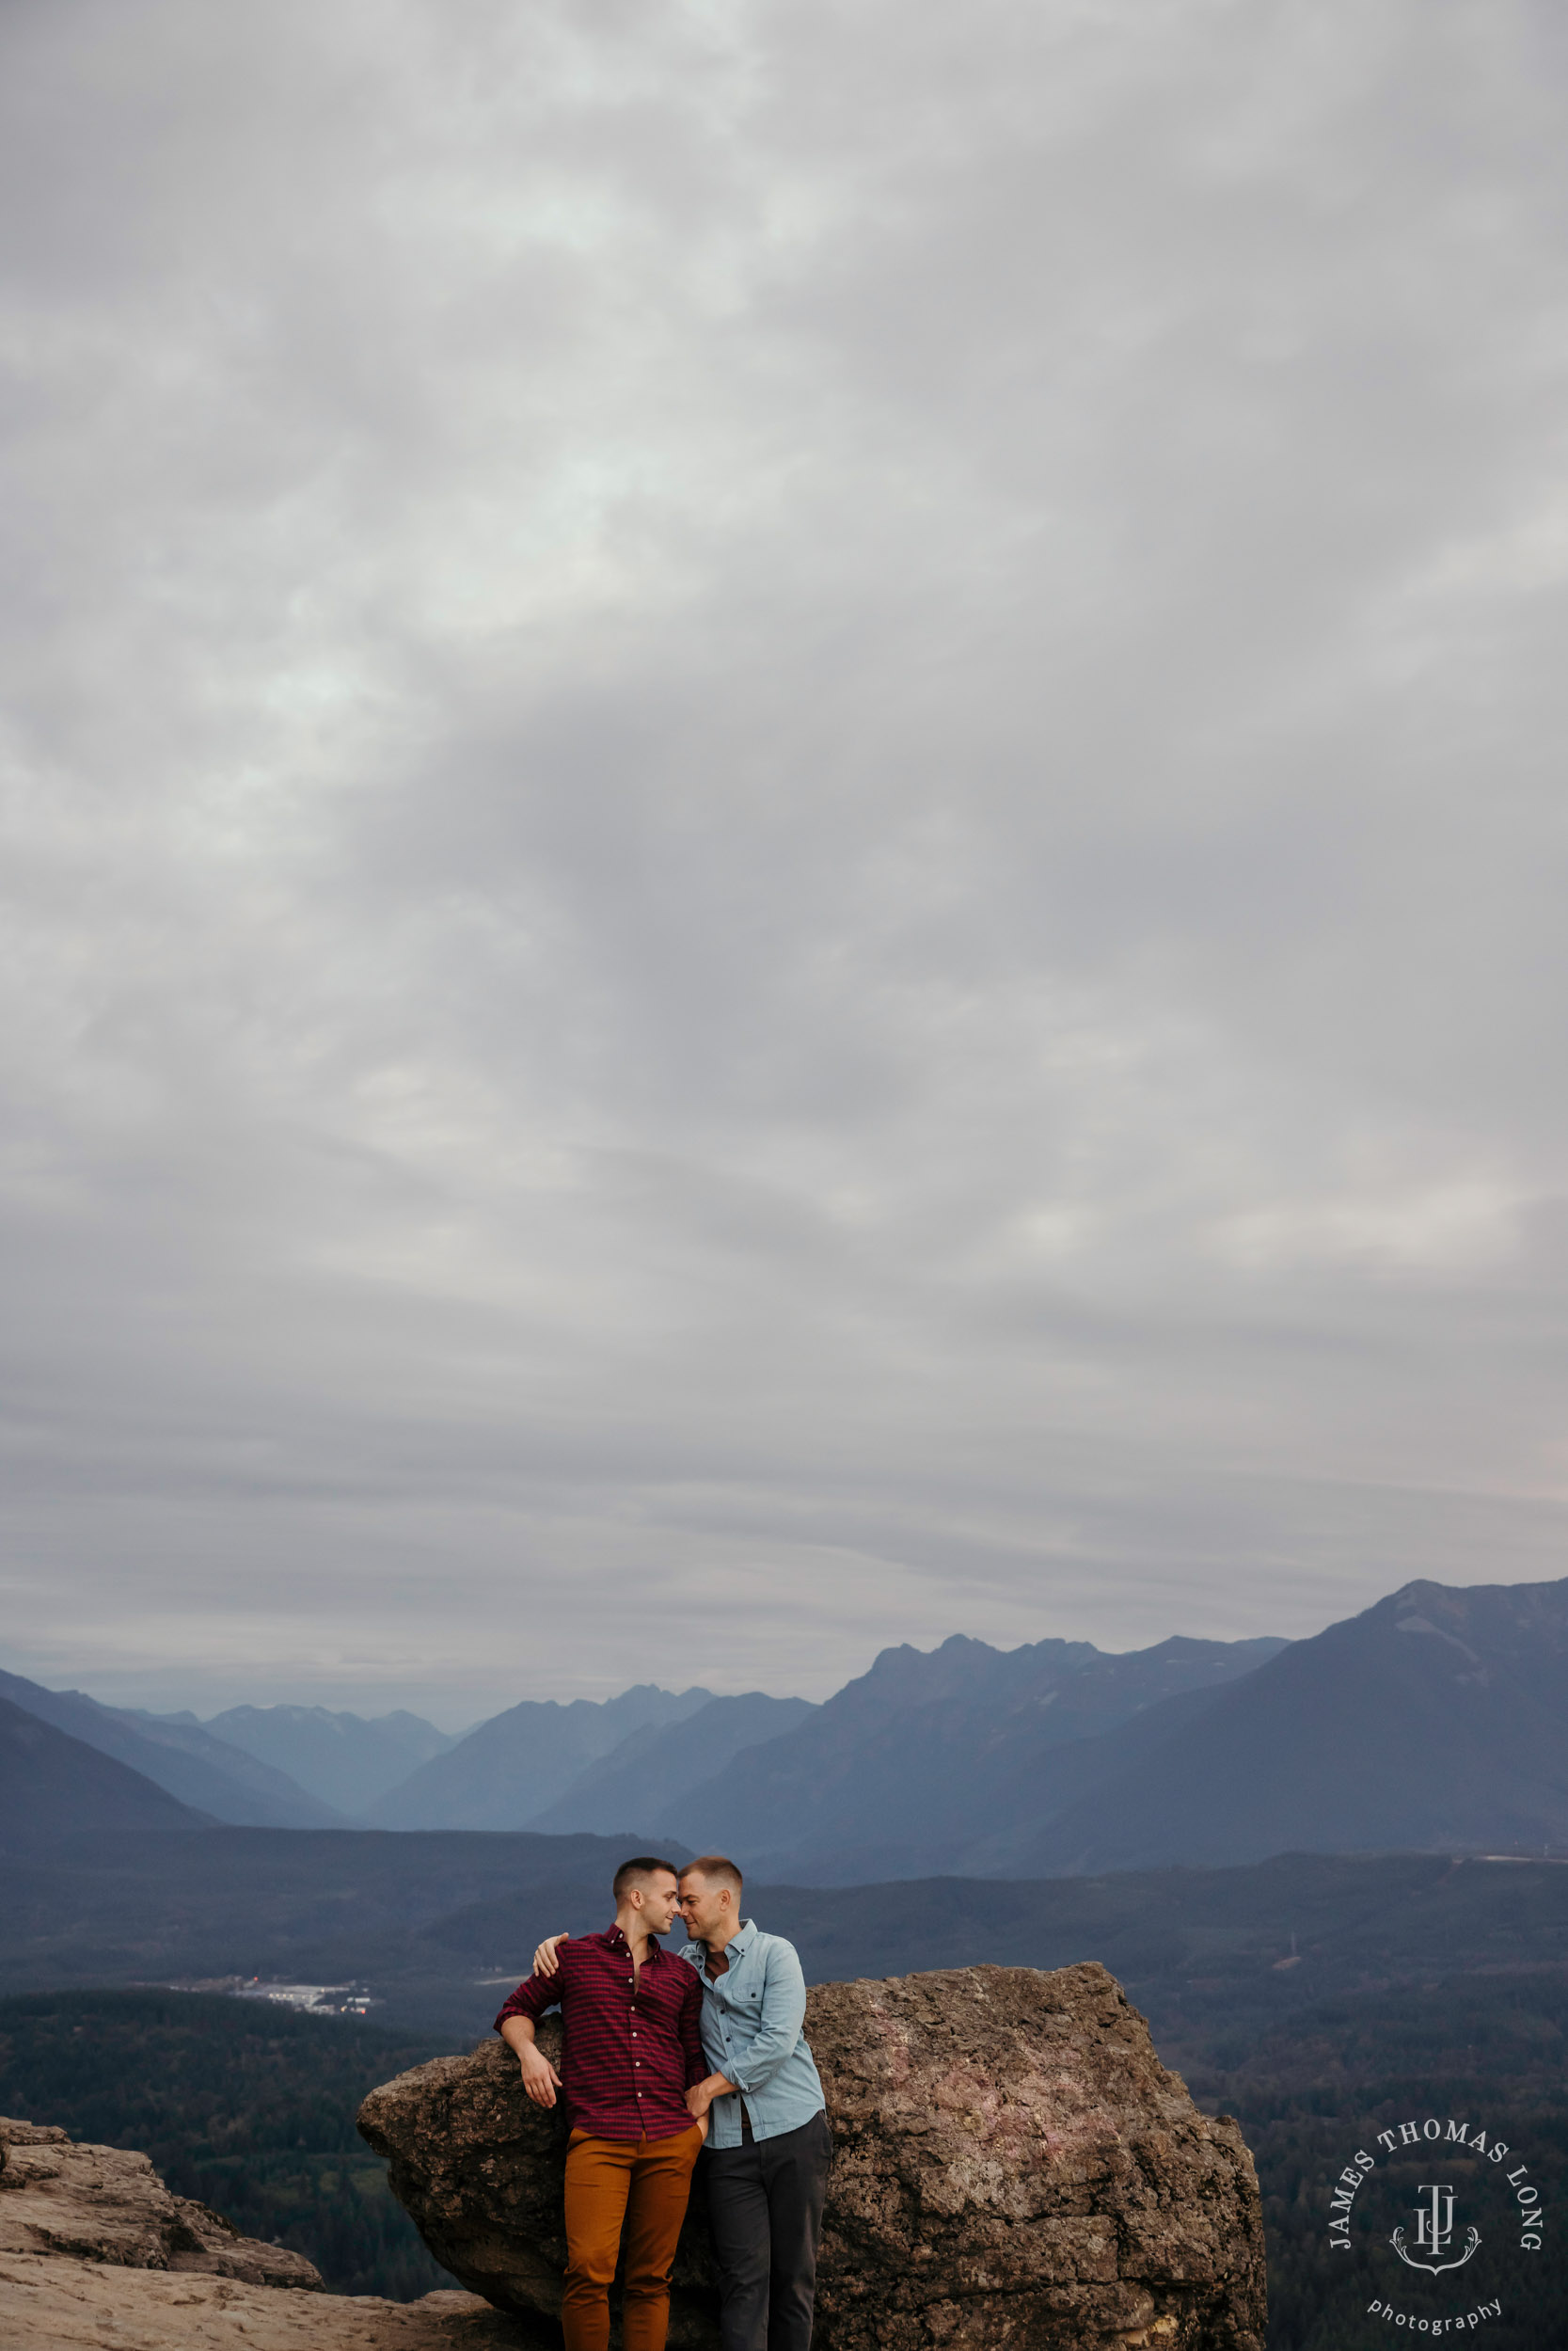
636,1872
714,1866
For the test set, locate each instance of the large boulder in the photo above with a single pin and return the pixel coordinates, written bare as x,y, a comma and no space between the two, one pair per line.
1013,2166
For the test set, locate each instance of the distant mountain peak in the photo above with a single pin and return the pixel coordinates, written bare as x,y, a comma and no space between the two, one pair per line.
1436,1721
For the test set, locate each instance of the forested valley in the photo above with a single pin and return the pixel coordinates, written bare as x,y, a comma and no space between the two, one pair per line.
241,2103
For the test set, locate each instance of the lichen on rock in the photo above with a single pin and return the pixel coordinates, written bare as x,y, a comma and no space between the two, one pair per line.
1013,2166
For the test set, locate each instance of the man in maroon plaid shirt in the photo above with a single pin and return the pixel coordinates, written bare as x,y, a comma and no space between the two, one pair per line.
633,2049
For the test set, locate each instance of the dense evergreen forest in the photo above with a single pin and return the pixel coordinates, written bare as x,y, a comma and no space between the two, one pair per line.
1487,2049
245,2105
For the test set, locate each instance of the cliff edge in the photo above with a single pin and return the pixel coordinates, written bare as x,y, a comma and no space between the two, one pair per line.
95,2250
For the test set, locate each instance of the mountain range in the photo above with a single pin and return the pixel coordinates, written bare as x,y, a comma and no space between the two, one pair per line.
53,1788
177,1755
509,1769
1436,1720
910,1766
654,1768
343,1759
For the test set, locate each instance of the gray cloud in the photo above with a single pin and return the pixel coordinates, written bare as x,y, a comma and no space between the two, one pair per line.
782,855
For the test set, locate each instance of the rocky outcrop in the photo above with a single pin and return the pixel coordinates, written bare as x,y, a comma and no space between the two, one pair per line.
108,2204
1013,2166
63,2305
94,2250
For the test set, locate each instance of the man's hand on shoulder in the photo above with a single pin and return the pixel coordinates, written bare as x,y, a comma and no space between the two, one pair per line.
545,1960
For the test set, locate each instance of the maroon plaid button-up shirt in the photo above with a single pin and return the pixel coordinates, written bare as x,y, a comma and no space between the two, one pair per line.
633,2043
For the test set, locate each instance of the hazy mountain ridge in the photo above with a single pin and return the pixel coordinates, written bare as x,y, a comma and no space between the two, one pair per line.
887,1778
644,1781
507,1770
179,1756
54,1787
346,1760
908,1767
1436,1721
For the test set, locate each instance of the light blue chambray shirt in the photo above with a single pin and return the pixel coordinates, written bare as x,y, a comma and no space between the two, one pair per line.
750,2024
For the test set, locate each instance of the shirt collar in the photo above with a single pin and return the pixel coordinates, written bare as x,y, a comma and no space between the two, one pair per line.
737,1946
614,1940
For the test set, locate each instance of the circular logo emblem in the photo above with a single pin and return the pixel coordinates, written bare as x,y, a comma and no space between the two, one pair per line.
1442,2211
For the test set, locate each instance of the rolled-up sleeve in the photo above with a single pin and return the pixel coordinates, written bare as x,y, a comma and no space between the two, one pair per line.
534,1995
784,2013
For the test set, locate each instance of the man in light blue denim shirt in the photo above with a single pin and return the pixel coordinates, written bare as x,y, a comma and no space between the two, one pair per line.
770,2147
766,2176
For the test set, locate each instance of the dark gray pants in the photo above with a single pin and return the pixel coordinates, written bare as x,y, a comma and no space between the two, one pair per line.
765,2208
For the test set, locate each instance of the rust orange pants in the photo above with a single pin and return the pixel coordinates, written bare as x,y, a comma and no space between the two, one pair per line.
641,2184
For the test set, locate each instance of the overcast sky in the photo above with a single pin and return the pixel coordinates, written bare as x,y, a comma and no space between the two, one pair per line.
784,831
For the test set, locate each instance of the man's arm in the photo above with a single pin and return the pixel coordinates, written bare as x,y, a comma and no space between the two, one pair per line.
540,2078
701,2094
698,2079
515,2026
784,2013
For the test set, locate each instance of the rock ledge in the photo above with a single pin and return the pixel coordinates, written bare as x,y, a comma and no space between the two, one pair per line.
108,2204
94,2250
